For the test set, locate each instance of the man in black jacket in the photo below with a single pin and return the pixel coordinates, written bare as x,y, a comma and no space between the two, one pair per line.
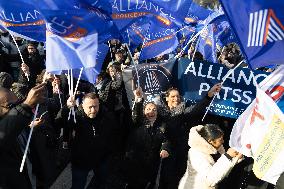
33,66
95,139
13,122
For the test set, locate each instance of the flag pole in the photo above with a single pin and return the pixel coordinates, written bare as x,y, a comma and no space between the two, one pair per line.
195,48
193,38
26,74
69,88
72,93
78,81
58,90
110,50
29,139
138,82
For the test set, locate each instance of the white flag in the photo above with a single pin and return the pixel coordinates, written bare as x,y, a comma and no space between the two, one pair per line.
274,86
259,133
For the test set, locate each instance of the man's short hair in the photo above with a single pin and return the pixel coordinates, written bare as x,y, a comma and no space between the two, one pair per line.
91,95
6,80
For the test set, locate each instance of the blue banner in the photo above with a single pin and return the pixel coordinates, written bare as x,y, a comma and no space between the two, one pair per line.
136,33
22,18
196,78
259,26
153,78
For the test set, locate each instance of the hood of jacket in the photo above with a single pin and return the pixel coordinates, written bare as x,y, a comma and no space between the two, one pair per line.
197,142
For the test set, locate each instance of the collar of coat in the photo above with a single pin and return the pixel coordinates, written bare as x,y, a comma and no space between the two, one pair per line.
199,143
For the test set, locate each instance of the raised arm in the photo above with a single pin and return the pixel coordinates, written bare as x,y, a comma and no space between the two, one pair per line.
137,110
195,113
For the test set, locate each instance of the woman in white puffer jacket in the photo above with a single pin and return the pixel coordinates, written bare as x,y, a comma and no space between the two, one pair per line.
202,170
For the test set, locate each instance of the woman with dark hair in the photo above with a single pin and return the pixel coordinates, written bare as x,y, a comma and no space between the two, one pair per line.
208,163
146,145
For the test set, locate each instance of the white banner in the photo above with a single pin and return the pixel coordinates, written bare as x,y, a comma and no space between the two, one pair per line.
259,133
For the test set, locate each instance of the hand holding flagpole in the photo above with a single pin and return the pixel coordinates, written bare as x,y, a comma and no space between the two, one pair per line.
215,93
35,96
24,65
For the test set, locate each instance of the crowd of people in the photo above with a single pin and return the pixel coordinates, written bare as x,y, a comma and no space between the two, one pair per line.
148,146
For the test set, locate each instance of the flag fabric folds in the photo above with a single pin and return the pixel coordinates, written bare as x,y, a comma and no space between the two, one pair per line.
196,14
160,39
259,26
72,36
167,11
259,131
217,34
273,85
23,19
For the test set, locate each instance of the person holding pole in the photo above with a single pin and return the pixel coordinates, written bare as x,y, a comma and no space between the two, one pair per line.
95,139
14,119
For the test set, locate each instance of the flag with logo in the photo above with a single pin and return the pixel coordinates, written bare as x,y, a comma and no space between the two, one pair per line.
22,19
168,11
259,25
72,36
196,13
153,78
258,133
160,39
136,33
217,34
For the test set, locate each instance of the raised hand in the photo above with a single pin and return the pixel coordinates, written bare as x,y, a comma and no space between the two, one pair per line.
36,95
215,89
138,93
71,102
25,68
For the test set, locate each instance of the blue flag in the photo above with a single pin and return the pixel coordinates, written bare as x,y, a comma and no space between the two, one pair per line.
259,25
196,13
88,74
160,39
72,36
205,44
218,32
22,18
125,12
136,33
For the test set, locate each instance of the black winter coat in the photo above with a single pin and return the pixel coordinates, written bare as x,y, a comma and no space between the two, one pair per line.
10,152
144,146
44,142
95,139
35,63
113,94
